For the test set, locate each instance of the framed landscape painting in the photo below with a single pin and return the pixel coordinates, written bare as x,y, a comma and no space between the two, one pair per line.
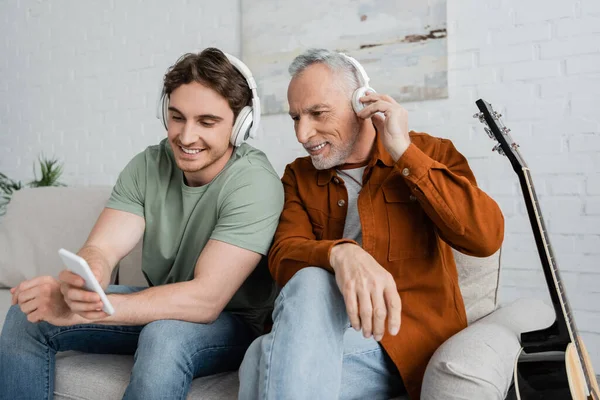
401,43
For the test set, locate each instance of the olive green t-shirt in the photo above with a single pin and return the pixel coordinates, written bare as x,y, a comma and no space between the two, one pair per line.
240,206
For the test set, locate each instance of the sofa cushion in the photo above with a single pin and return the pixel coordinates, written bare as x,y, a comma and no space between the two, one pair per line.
5,298
105,376
40,221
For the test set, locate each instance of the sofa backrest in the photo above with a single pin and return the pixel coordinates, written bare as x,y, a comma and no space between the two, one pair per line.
40,221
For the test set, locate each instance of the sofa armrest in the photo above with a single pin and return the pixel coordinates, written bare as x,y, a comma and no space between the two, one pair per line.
478,362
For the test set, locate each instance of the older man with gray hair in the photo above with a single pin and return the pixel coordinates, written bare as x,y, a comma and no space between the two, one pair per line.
364,242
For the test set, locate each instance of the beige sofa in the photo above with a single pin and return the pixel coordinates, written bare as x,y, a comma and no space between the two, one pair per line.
40,221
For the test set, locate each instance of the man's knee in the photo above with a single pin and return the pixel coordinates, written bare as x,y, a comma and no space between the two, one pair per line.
475,363
16,325
163,339
311,283
310,298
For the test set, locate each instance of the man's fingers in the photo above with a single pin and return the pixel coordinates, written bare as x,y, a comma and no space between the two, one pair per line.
34,282
394,309
15,295
26,285
352,306
370,97
379,315
34,317
379,122
366,311
70,278
26,295
388,98
77,295
29,306
373,108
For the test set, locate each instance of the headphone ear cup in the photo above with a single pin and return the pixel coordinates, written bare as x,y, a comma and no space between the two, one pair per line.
241,127
161,109
357,105
165,111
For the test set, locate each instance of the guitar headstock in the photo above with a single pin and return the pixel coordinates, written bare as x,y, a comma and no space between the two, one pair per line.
496,130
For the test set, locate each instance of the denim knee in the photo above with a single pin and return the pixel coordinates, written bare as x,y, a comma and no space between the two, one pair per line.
311,282
16,324
164,337
311,295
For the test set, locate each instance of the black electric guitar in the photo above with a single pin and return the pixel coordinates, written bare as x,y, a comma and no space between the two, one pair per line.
553,362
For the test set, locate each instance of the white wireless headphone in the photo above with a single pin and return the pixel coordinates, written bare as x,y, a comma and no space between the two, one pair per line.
246,123
363,80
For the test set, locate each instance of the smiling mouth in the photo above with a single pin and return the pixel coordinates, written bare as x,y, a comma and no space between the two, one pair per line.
316,148
190,151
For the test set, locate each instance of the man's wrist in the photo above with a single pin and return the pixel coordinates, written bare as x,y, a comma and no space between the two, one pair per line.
336,253
396,152
332,255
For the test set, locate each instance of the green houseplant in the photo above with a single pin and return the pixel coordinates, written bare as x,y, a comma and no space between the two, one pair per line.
50,171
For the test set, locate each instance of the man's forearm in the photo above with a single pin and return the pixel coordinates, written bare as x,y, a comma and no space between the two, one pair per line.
183,301
95,256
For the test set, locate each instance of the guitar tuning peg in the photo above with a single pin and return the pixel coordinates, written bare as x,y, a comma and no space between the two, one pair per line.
489,132
506,130
498,148
478,115
497,115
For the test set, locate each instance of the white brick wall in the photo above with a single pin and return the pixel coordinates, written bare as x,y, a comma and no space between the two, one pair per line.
80,81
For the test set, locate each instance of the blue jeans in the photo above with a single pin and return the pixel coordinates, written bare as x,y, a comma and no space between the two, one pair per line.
168,353
312,352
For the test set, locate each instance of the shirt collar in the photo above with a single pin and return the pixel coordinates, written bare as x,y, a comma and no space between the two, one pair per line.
324,176
380,153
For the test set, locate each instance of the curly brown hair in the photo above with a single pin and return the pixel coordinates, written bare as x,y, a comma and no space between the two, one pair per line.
210,68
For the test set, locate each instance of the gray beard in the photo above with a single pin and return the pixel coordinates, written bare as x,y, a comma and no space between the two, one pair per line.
337,155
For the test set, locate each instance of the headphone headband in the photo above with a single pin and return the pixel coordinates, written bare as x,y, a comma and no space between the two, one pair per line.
246,73
363,78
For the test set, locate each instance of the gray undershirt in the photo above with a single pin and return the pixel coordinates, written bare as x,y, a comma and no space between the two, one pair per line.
352,228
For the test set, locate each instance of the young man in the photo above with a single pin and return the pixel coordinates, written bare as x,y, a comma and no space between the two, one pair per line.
207,211
364,238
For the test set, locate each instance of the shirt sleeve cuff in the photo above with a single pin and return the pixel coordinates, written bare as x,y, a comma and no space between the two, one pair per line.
130,208
414,164
322,251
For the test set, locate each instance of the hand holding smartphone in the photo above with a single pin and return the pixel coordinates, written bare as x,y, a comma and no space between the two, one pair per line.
79,266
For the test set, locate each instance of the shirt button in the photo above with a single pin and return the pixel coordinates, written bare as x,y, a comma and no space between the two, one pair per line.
336,180
341,203
406,172
413,197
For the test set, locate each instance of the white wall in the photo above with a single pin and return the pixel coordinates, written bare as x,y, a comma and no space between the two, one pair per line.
79,80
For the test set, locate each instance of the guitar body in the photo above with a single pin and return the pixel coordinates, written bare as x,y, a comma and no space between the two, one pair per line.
551,375
553,362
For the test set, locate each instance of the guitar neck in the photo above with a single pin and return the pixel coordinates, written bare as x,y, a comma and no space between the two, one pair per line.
565,324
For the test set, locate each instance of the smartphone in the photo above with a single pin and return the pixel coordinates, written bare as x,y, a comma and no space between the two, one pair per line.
79,266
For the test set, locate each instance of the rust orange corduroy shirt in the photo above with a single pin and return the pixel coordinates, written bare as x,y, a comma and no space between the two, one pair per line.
410,212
